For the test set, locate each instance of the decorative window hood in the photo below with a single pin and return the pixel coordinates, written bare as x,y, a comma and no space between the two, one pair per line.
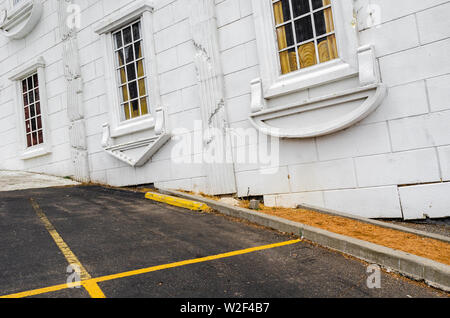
137,153
19,22
324,115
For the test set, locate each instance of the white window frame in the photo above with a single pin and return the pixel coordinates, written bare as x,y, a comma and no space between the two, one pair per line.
17,75
141,10
274,83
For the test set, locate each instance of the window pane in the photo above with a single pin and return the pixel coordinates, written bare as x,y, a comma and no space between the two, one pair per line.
27,113
123,76
324,22
303,29
288,61
142,91
35,138
33,125
135,109
32,111
285,36
28,126
281,11
138,50
40,137
136,31
327,48
39,122
30,83
131,72
29,143
36,94
24,86
300,7
140,68
133,90
38,108
120,58
126,111
144,107
25,99
320,3
307,55
129,55
31,97
127,35
124,93
118,39
35,80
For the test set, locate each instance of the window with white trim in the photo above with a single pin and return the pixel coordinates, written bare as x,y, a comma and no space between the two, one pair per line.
130,69
31,103
32,111
305,33
304,43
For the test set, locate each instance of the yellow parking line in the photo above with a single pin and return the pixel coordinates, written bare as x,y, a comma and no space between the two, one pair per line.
179,202
71,258
89,283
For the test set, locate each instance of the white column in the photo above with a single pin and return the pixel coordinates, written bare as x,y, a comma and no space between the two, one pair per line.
220,172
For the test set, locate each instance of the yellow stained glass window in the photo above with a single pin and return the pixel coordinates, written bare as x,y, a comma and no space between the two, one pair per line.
305,33
130,65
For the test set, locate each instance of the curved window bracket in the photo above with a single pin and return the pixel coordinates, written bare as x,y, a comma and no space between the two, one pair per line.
127,153
19,22
316,117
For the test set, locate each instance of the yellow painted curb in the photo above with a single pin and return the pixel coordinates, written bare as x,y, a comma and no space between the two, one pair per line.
183,203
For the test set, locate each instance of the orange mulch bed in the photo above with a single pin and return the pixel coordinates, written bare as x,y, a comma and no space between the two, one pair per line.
414,244
421,246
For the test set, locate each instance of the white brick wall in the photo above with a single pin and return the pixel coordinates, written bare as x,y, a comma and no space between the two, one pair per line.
406,141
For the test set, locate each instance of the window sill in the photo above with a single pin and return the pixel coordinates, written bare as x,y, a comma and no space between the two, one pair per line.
313,76
133,126
35,152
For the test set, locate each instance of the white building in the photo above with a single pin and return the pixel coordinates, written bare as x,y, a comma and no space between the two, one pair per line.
350,98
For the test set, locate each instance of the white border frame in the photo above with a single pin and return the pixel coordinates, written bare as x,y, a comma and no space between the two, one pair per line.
17,75
142,10
274,83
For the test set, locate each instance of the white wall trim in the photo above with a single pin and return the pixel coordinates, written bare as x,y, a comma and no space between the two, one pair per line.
21,20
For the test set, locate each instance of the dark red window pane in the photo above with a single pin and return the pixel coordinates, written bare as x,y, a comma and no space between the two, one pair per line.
32,111
38,108
25,99
30,83
41,136
29,144
28,126
35,80
35,138
36,94
39,122
24,86
31,97
27,113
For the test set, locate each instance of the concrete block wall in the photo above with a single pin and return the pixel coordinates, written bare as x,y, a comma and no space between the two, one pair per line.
376,168
179,96
394,163
42,41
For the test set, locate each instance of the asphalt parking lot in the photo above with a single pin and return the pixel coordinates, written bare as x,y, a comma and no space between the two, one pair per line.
125,243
